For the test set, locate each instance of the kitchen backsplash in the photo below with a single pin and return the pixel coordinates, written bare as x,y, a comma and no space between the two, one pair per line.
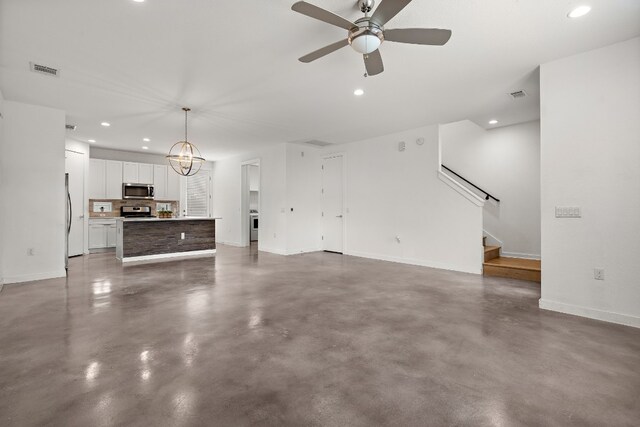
116,204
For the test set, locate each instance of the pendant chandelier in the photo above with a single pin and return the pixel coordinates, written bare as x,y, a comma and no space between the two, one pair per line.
184,157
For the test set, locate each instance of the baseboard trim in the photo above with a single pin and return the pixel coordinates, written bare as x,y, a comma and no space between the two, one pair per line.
236,244
271,250
174,255
421,263
35,277
303,251
592,313
520,255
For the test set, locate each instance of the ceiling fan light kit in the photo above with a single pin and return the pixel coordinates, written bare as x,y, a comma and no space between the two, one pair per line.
366,38
184,157
366,34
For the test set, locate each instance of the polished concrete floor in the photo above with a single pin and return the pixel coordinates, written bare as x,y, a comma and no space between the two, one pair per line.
251,338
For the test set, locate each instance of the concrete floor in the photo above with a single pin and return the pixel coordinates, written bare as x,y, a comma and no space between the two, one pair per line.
315,339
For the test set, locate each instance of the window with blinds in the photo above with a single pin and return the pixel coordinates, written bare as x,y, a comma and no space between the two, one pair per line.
198,195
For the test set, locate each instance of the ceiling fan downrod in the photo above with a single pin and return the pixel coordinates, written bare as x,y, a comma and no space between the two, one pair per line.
366,6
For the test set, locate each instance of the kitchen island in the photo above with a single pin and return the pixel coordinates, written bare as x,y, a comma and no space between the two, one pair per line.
145,239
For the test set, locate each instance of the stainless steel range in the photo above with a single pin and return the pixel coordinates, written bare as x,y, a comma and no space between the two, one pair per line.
136,211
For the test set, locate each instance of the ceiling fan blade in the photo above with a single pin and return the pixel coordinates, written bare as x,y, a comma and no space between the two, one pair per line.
373,63
324,51
387,10
323,15
430,36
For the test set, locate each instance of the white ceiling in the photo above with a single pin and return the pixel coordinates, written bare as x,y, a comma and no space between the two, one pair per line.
235,64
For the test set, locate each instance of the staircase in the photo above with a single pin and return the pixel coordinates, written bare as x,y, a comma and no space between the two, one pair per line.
513,268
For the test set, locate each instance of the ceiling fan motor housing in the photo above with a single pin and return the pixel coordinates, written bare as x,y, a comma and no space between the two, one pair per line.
366,37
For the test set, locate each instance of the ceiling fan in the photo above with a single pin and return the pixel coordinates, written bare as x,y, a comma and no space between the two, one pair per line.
366,34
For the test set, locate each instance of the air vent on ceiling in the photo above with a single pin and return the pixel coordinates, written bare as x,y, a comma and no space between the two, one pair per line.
518,94
43,69
70,127
317,143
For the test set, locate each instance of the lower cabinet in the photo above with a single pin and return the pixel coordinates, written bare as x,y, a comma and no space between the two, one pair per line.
102,233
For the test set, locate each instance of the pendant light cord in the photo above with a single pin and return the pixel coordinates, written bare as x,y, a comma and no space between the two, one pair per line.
186,112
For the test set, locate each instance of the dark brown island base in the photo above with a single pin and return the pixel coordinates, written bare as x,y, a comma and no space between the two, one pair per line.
146,239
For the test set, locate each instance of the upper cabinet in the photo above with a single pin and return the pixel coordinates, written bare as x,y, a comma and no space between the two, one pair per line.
160,182
113,179
130,173
97,188
137,173
105,179
145,173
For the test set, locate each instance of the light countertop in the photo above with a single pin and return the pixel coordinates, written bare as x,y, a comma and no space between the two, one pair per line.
182,218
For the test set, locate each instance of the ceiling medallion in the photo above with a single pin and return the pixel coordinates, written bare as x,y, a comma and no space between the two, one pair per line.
184,157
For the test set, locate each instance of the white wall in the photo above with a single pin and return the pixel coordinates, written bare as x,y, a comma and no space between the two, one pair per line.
32,169
506,162
391,193
590,157
84,149
227,194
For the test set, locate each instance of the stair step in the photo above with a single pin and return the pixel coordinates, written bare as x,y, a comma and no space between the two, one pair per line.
491,252
514,268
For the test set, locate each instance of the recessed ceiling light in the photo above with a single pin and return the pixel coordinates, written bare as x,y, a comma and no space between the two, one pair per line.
91,140
579,11
358,92
144,147
146,139
139,1
493,122
105,124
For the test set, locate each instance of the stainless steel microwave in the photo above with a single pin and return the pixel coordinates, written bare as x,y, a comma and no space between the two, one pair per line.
137,191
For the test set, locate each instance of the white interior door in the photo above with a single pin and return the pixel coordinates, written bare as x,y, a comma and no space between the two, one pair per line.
332,204
74,166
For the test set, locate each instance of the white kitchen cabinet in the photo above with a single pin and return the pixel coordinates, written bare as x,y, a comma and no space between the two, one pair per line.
173,184
102,233
130,173
97,236
97,188
145,173
111,236
137,173
160,182
113,179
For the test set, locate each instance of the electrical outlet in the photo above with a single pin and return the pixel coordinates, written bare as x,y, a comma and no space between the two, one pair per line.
598,273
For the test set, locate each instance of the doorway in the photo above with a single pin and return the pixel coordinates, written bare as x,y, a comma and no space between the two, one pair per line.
333,203
74,166
250,203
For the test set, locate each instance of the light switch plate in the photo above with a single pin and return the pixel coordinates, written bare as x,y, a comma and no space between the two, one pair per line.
568,212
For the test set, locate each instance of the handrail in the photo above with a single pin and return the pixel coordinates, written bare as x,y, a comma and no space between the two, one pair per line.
487,195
